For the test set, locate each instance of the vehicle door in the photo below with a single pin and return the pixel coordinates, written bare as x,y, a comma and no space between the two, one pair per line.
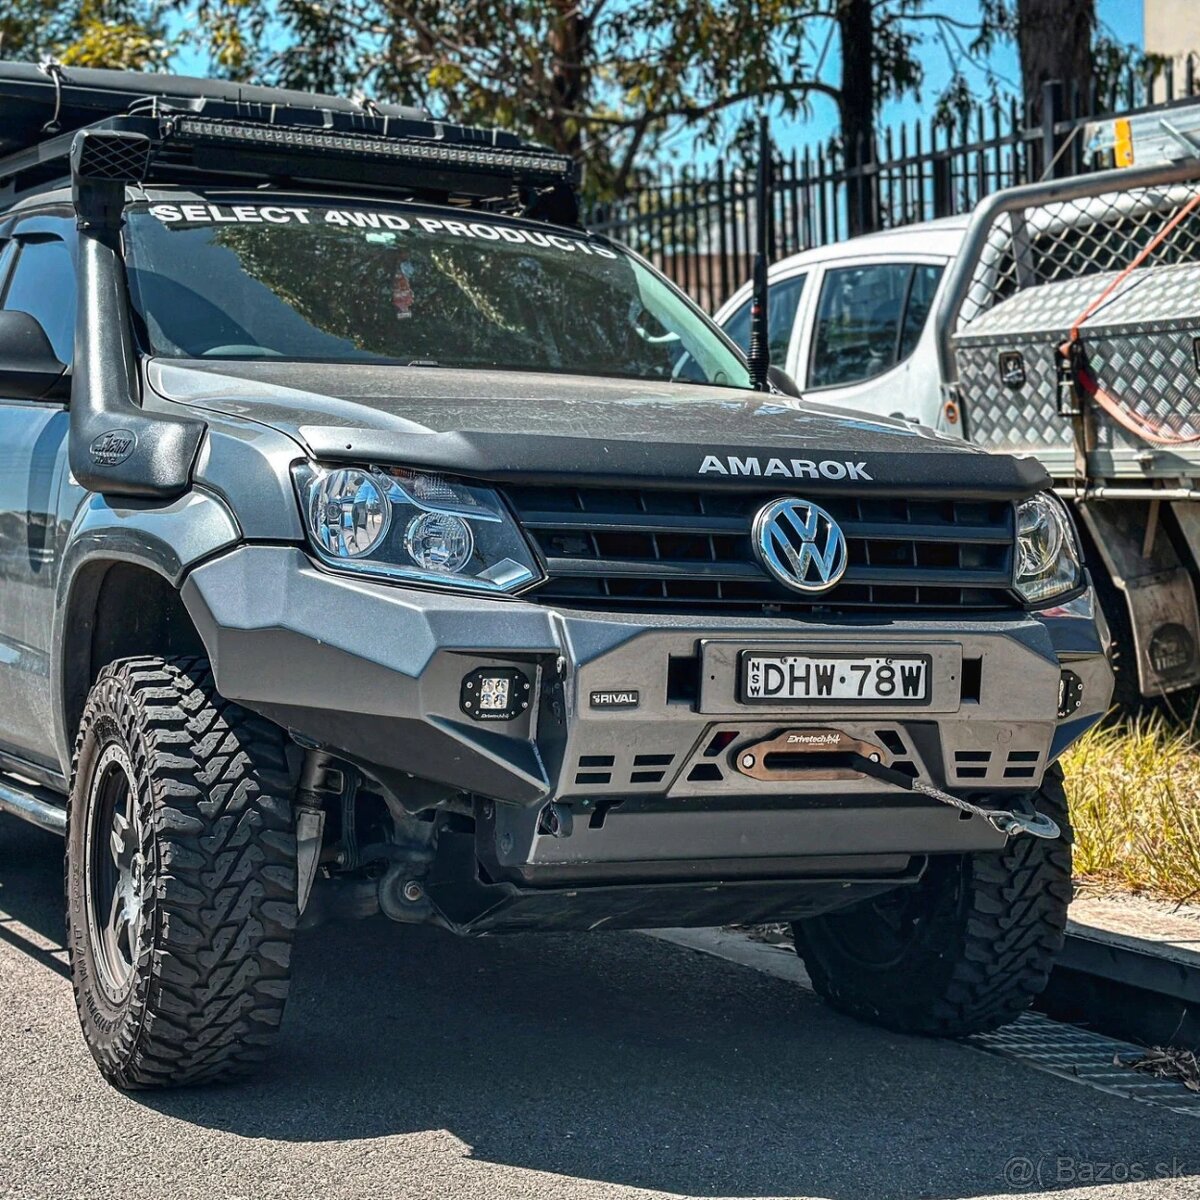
37,276
867,341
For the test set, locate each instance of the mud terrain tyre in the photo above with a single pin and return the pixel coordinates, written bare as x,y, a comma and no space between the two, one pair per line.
180,876
965,950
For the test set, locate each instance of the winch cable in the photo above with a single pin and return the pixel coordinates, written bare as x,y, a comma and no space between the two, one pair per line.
1072,349
1003,820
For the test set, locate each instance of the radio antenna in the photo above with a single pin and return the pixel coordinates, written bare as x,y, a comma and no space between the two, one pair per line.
759,356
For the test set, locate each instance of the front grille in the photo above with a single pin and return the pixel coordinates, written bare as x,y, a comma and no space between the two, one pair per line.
625,549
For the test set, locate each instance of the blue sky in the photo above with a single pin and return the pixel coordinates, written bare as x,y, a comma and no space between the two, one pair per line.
1119,19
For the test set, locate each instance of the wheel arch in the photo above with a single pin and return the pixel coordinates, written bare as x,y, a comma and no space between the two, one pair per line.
118,592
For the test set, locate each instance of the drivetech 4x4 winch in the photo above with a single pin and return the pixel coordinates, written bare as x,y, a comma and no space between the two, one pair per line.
815,754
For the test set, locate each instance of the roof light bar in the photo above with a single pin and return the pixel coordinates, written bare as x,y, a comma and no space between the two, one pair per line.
556,166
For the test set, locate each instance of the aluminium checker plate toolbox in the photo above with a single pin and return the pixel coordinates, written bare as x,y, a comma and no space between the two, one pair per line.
1142,346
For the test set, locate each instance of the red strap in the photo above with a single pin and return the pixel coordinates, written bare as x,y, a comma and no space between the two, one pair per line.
1144,427
1142,255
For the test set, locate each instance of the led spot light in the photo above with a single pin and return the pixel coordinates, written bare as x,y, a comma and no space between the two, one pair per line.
494,694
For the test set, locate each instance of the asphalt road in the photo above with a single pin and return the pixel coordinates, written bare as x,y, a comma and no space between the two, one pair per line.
414,1064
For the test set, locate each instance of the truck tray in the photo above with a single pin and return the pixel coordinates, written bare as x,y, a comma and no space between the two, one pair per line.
1142,346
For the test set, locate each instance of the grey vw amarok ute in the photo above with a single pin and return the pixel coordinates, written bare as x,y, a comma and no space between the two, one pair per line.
374,539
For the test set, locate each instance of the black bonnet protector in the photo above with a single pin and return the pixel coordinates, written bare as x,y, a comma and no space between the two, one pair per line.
520,427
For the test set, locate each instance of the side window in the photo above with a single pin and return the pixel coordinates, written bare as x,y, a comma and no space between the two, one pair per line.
43,285
869,319
8,251
920,300
781,316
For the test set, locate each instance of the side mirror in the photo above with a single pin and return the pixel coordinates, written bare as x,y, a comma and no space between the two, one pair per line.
29,368
779,379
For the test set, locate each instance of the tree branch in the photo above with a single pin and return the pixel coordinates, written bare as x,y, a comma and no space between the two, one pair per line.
697,112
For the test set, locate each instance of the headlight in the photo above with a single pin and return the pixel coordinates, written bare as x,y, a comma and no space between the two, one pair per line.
408,525
349,516
1047,561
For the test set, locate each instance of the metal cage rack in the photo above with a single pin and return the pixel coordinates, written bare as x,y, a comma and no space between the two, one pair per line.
251,136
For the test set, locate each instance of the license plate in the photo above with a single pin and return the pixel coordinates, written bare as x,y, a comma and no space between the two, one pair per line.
841,679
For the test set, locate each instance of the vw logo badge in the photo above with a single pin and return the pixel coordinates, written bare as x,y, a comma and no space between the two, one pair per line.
801,545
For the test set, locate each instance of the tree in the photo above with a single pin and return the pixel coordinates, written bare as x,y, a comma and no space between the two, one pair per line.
1057,40
857,103
122,34
25,28
1054,41
877,46
606,80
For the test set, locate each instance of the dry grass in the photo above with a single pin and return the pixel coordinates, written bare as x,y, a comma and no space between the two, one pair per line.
1135,804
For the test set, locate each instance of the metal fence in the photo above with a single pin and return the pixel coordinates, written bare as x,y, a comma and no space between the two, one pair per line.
699,229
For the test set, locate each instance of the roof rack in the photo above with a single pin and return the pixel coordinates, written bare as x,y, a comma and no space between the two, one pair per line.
250,136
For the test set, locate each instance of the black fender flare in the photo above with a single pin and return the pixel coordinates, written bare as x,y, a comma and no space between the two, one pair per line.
164,538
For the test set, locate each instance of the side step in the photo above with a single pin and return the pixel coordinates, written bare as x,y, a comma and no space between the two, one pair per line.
34,804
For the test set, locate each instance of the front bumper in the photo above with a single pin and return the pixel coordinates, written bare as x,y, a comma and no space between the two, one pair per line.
648,789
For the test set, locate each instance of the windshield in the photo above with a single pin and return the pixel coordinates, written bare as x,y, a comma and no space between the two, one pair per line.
408,285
